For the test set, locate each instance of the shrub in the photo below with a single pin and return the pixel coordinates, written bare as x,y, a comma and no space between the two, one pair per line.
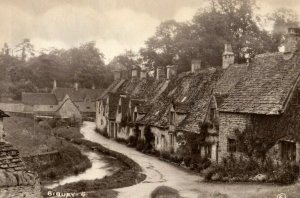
234,170
286,174
187,160
132,141
140,145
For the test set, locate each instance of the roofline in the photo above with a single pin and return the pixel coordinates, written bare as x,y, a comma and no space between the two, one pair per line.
280,111
288,99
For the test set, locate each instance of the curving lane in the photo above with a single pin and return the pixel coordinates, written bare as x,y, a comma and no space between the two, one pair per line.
161,173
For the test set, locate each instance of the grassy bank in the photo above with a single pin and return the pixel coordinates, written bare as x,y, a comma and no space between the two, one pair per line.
33,138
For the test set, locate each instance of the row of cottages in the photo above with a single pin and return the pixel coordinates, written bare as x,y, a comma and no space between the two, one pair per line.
42,104
260,96
168,104
83,98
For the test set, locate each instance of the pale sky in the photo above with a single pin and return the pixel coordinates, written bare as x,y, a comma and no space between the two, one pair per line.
116,25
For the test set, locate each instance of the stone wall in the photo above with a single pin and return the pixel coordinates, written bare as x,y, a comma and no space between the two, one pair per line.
229,122
15,179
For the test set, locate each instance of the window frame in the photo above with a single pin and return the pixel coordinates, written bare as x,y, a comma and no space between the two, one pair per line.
231,145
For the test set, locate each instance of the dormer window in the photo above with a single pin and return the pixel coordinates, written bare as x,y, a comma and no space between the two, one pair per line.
172,118
212,114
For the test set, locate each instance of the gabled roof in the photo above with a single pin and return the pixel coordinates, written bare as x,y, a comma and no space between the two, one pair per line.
65,99
39,99
77,95
266,86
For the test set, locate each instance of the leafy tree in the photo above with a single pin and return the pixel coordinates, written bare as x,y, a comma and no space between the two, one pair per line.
282,19
127,59
26,49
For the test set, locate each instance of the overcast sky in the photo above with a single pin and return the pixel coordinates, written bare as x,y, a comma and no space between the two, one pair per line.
115,25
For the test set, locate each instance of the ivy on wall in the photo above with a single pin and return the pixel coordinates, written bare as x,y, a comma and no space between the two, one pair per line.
266,130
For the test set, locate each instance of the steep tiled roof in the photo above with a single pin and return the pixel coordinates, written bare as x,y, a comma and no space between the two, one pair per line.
266,86
39,99
230,78
77,95
183,92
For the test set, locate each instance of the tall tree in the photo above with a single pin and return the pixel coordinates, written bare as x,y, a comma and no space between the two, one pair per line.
25,48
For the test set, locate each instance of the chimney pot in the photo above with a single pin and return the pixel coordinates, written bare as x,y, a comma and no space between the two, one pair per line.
292,40
143,74
76,86
196,65
54,84
171,71
160,73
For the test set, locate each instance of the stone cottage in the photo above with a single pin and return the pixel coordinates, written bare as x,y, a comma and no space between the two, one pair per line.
263,102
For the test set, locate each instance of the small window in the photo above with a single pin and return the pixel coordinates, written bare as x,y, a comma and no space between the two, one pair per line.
134,116
232,145
207,150
51,106
172,117
172,139
212,114
88,107
288,151
296,98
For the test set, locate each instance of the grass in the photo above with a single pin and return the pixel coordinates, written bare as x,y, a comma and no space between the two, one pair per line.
68,133
32,138
71,161
29,138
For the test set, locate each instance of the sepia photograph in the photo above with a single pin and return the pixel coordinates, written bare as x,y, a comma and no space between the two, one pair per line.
150,99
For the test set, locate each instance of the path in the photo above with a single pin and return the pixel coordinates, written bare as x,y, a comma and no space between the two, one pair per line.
161,173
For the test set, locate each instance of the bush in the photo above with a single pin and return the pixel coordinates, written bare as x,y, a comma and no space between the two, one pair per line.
187,160
132,141
140,145
243,170
286,174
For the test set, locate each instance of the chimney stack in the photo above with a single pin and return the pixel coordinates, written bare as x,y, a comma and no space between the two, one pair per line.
143,73
228,56
196,65
160,73
135,73
76,86
171,71
54,84
292,40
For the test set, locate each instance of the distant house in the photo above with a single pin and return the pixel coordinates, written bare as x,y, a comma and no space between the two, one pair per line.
83,98
67,109
40,103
